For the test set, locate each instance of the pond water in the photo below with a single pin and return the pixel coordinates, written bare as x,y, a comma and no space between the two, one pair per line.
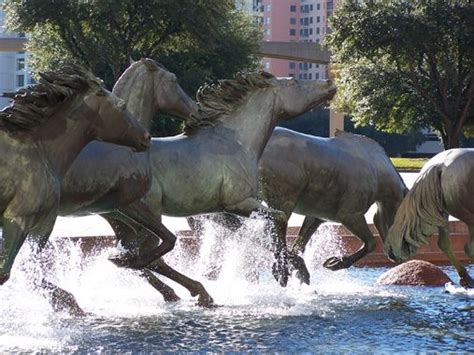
344,311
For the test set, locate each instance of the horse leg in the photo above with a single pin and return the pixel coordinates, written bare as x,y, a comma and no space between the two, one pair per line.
194,287
13,238
469,247
140,213
128,233
60,299
384,217
358,226
309,227
279,226
445,245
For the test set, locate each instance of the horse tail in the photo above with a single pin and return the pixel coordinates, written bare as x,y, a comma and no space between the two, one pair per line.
422,209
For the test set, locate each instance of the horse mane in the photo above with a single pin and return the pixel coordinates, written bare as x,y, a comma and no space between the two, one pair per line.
34,105
218,99
422,209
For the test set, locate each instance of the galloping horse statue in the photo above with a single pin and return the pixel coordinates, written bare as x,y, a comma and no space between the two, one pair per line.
110,179
328,179
444,187
213,167
41,133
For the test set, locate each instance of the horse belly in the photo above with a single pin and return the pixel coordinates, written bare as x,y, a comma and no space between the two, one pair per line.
102,185
189,199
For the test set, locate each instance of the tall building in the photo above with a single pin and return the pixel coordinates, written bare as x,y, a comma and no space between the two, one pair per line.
295,21
15,71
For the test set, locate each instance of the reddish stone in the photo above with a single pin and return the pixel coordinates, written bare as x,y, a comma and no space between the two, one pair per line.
414,273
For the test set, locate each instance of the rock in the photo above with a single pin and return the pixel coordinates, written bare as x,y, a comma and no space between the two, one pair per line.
414,273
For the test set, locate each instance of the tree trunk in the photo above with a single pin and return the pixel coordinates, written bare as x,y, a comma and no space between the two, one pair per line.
452,139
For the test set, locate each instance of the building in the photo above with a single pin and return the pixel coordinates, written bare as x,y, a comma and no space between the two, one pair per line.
295,21
15,71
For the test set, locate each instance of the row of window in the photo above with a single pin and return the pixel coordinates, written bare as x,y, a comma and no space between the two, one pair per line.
305,8
302,66
305,32
305,76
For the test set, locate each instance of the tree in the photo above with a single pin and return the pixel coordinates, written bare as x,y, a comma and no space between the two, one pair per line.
198,40
406,64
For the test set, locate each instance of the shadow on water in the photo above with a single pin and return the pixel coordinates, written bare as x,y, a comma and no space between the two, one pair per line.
344,311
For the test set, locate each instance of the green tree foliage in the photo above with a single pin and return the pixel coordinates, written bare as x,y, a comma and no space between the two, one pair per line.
198,40
406,64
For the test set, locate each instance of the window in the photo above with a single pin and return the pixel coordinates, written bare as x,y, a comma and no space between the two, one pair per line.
20,80
20,63
268,7
300,76
291,75
317,30
267,20
318,19
310,65
293,8
311,19
292,32
310,31
316,76
292,21
318,6
292,65
32,80
305,76
310,7
310,76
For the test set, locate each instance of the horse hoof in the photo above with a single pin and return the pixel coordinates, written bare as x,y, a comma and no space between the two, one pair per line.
335,263
299,265
4,278
467,282
206,301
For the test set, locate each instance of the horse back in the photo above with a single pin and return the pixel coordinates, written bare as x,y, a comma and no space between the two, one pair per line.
457,182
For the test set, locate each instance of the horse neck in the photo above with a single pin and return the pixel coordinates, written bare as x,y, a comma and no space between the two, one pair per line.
64,135
139,96
253,122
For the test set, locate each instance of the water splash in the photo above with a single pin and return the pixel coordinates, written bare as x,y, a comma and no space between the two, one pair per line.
127,314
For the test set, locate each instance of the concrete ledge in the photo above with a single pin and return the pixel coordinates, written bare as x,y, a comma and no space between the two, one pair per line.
350,243
13,44
309,52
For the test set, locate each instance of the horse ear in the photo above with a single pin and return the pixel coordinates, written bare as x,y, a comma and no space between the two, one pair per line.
130,59
149,64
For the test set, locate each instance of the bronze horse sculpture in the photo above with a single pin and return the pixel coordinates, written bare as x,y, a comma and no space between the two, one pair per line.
41,133
213,166
111,180
328,179
444,187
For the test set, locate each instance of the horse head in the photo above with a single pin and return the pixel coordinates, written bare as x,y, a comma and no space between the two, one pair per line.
148,87
295,97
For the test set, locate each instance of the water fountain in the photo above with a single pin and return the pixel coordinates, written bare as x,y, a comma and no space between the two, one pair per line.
340,311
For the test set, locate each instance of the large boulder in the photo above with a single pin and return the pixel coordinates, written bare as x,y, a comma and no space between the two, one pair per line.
414,273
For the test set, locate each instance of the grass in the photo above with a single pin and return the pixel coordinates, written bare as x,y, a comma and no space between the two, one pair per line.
409,163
